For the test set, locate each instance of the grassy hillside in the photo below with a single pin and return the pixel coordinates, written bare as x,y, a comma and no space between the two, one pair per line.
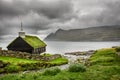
11,64
104,64
16,60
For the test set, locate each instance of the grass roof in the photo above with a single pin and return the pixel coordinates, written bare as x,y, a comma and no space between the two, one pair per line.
34,41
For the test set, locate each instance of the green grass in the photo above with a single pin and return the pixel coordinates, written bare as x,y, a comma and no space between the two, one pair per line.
77,68
105,57
104,64
19,60
16,60
11,64
59,61
34,41
51,71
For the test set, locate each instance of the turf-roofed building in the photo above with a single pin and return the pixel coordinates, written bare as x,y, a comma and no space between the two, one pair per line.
27,43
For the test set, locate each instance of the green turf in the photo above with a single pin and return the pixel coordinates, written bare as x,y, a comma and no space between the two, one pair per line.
59,60
34,41
16,60
104,64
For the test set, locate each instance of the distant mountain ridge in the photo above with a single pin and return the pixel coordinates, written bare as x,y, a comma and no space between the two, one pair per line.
102,33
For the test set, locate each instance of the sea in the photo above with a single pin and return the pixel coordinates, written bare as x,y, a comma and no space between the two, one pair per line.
65,47
61,47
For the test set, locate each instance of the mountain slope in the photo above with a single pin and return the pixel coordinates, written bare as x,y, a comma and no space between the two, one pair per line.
103,33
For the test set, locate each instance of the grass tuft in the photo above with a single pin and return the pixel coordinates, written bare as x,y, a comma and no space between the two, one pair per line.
51,71
76,68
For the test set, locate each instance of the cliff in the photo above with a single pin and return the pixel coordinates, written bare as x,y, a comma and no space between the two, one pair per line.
102,33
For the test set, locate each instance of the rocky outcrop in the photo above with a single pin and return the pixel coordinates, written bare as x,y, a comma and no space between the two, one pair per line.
85,53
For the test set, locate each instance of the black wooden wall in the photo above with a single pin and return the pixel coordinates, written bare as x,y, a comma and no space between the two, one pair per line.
20,45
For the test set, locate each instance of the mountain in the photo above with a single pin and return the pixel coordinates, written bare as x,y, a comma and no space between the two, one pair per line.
103,33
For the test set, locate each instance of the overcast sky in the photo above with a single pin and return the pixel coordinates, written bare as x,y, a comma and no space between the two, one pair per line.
41,17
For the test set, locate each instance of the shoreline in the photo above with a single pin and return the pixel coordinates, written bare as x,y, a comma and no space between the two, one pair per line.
73,57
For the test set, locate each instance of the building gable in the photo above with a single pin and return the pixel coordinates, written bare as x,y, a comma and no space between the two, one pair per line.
30,44
19,45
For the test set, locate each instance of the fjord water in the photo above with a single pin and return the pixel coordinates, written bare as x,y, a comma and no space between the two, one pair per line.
64,47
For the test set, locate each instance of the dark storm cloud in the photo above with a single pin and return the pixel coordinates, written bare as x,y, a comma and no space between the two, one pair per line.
2,32
36,14
48,15
111,15
52,10
12,9
97,13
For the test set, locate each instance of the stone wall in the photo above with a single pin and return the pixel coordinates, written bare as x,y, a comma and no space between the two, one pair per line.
25,55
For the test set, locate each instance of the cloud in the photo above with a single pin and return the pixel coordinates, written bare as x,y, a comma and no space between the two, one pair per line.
55,9
42,17
95,13
12,9
36,15
111,14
